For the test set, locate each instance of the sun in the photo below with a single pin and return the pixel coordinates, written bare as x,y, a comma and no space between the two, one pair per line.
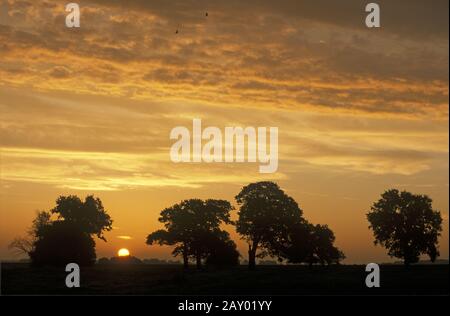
123,252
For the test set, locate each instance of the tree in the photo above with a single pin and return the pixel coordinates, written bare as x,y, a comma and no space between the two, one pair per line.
21,245
25,245
265,215
299,245
406,225
90,215
221,250
63,242
323,245
42,220
187,223
69,237
307,243
171,237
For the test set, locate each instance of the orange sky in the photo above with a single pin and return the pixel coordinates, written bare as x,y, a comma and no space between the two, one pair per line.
89,110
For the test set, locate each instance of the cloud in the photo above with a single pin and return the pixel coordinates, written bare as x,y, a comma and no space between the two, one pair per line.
98,171
288,57
110,144
124,237
103,98
347,13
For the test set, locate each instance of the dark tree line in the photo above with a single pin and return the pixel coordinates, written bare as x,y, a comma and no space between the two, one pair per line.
270,221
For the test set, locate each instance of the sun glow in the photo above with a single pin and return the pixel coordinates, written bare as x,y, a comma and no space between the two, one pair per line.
123,252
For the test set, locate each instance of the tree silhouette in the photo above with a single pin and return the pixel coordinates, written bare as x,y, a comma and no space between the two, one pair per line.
25,245
299,245
21,245
69,237
187,223
221,250
89,216
171,237
307,243
406,225
61,243
265,216
323,245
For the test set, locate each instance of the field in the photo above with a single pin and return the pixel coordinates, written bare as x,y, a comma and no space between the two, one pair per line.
20,278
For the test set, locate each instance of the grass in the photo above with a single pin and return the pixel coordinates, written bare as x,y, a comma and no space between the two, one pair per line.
20,278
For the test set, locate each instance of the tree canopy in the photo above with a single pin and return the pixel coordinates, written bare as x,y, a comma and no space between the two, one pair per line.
89,215
406,225
188,223
63,242
68,238
221,250
265,215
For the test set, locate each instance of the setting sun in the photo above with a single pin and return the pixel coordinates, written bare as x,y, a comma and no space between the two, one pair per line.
123,252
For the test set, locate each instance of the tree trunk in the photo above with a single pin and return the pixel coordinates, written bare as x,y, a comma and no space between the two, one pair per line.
252,257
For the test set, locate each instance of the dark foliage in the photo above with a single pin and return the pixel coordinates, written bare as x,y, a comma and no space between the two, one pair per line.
307,243
221,250
406,225
61,243
265,215
188,223
69,238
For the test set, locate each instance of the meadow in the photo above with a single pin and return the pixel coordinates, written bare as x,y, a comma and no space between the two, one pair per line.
146,279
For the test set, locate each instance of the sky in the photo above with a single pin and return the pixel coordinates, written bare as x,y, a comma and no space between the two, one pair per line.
89,110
